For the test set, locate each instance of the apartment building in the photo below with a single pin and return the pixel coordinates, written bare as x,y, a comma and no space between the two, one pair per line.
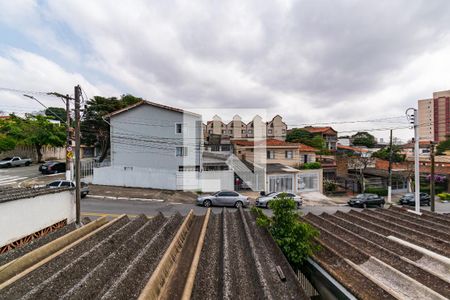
237,129
434,117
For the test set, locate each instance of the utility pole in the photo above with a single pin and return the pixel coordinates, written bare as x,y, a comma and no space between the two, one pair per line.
69,152
432,191
390,169
77,153
414,119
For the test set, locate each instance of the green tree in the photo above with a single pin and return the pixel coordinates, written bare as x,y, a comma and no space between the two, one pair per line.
442,147
56,113
294,237
298,135
6,143
363,139
384,154
94,129
35,131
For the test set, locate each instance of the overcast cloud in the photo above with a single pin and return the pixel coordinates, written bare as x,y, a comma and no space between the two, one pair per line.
309,61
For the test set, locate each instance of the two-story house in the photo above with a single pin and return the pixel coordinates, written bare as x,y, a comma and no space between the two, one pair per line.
283,163
327,133
150,144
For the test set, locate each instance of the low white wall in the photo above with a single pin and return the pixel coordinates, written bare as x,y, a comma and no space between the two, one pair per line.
22,217
207,181
135,177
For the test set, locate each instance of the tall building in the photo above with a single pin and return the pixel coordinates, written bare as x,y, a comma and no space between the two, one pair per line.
434,117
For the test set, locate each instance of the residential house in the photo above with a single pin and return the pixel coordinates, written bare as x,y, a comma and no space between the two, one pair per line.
282,162
327,133
151,144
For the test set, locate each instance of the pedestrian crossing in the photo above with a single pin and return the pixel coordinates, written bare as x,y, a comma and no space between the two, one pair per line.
9,180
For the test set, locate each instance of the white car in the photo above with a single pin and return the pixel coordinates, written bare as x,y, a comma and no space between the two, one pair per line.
264,201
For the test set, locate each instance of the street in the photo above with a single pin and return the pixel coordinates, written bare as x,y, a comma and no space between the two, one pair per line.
98,207
13,176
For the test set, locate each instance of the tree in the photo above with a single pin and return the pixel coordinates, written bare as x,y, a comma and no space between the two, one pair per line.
363,139
6,143
56,113
295,238
94,129
442,147
35,131
360,163
384,153
298,135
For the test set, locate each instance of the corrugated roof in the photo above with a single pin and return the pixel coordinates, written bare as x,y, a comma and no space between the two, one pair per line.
11,194
386,253
319,129
238,260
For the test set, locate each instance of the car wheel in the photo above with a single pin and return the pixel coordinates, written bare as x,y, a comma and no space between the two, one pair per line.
8,165
299,205
267,204
207,203
27,163
238,204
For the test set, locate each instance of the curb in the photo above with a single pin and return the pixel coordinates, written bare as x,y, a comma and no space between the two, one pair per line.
124,198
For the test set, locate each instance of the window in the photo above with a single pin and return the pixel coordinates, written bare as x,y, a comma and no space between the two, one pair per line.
178,128
181,151
210,131
228,194
65,183
230,131
243,131
283,130
223,131
269,131
54,184
305,158
250,131
270,154
288,154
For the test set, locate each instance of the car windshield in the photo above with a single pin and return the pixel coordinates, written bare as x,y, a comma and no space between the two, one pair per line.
409,195
216,193
361,196
6,158
271,194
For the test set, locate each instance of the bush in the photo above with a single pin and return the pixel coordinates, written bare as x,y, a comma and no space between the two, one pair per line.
438,189
295,238
378,191
329,186
310,165
444,196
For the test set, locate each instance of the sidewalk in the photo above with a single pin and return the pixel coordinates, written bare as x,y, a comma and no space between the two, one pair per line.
126,193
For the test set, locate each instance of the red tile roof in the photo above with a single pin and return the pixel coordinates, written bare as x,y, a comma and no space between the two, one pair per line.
318,129
274,143
356,149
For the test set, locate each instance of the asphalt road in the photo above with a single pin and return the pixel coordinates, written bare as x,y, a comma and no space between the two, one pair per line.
97,207
13,176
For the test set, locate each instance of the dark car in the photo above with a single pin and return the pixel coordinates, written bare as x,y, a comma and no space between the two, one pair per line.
409,199
53,167
366,200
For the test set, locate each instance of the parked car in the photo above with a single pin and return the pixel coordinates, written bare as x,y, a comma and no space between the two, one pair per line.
223,198
264,200
84,188
53,167
15,161
365,200
409,199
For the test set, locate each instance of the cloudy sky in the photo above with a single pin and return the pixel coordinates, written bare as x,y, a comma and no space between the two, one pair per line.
309,61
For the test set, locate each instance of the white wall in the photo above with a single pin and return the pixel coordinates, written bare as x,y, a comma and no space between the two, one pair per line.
207,181
135,177
22,217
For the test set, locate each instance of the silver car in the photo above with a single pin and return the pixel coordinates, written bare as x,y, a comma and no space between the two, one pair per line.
264,201
223,198
84,190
